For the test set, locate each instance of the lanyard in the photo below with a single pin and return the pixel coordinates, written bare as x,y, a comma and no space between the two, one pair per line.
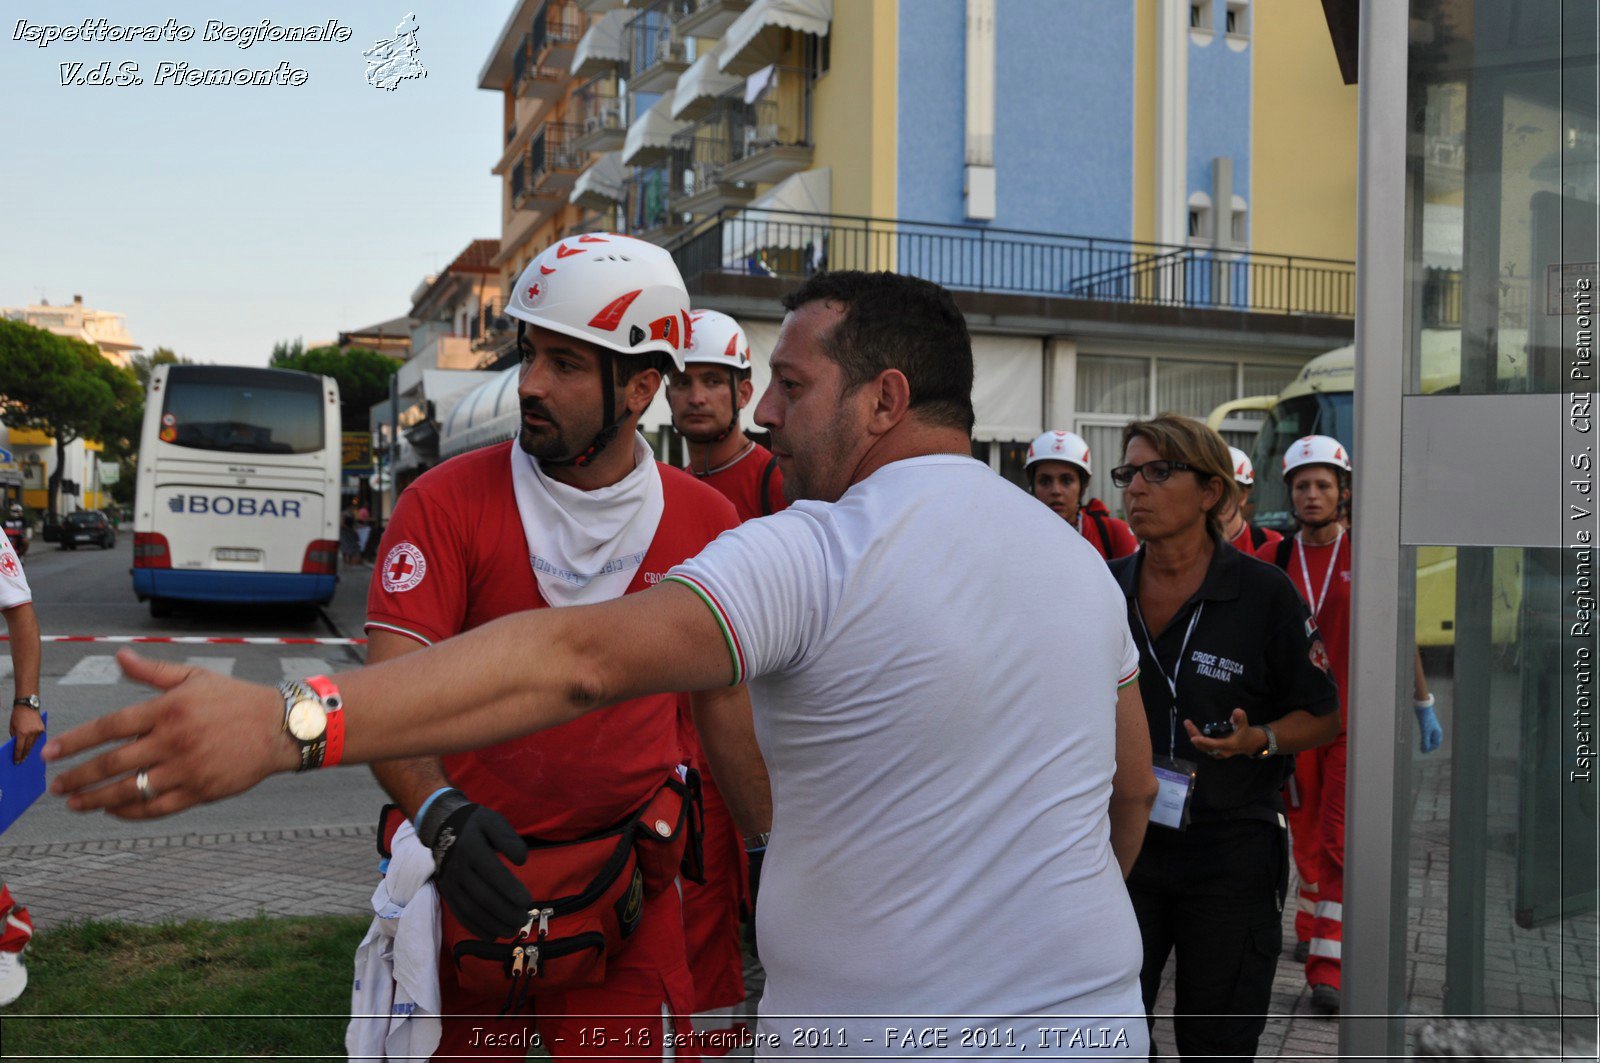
1327,577
1172,680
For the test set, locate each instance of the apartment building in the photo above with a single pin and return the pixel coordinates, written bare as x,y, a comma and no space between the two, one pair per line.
1141,206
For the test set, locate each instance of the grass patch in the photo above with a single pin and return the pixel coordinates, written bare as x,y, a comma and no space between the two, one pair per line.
273,987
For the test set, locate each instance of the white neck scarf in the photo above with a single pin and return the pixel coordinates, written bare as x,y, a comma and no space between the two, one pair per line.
585,546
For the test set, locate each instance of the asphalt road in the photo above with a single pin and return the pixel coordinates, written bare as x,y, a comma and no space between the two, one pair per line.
88,592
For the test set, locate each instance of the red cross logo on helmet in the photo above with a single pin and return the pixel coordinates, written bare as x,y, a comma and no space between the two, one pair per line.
534,291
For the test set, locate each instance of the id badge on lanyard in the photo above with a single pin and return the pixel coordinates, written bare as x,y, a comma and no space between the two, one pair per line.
1174,792
1174,776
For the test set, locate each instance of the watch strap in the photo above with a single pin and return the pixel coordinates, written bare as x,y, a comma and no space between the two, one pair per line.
1271,748
313,751
31,701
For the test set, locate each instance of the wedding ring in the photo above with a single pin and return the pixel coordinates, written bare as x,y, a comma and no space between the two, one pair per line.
1214,753
142,781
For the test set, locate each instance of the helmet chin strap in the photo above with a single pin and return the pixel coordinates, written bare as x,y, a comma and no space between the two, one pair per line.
733,423
608,388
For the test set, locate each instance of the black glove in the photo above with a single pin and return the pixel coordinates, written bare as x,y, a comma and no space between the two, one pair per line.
467,842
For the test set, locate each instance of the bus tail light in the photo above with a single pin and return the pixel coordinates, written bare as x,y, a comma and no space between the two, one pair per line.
150,550
322,558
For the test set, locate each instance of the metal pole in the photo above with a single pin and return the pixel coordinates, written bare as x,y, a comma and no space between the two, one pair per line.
1377,839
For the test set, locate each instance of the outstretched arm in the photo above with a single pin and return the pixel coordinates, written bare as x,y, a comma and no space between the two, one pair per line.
207,736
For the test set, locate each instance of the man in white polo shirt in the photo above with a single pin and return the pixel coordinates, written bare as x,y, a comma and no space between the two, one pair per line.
943,684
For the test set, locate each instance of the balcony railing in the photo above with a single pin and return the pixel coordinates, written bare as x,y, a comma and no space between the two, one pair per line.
603,113
656,56
646,209
697,165
772,132
521,189
789,244
554,158
557,28
530,77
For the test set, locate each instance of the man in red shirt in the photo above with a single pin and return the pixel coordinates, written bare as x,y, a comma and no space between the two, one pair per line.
1236,527
1058,474
706,396
576,511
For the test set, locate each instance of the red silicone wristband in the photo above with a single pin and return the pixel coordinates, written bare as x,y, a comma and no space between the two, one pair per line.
333,705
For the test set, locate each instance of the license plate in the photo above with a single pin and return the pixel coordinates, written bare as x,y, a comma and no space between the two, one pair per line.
83,537
226,554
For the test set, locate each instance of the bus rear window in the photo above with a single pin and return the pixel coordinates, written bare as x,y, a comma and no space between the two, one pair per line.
242,419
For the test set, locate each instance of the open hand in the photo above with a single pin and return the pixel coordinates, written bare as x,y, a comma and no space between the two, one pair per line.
1239,744
205,737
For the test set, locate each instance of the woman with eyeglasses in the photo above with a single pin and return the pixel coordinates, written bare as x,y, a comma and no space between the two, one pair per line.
1234,679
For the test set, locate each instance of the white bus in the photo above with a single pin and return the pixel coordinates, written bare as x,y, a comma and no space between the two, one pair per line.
237,497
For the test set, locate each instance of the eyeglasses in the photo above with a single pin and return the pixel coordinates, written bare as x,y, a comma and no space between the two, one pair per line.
1155,472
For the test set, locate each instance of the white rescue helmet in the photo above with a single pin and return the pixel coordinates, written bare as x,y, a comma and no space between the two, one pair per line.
1243,472
1315,450
1060,446
618,292
716,339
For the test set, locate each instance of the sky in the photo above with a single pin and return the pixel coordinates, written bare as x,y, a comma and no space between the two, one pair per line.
222,219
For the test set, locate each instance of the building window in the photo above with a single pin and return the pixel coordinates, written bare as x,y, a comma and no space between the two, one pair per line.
1239,223
1200,231
819,55
1200,15
1113,385
1237,19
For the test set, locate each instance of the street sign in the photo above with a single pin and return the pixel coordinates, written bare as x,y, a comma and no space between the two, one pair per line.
357,451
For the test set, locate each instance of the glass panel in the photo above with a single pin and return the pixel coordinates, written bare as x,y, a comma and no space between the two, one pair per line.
1113,385
1012,457
1506,182
254,418
1502,843
1193,388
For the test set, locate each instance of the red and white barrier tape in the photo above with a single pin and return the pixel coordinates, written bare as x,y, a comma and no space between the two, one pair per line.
202,640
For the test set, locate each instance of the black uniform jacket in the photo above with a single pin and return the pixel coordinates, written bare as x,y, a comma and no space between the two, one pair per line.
1255,647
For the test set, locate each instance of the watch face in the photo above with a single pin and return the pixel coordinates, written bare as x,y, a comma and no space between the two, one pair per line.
306,720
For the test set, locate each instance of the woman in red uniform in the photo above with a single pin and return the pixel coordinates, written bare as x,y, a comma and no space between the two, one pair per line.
1058,475
1318,472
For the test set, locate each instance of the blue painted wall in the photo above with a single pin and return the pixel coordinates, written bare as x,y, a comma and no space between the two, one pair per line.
1219,110
1063,115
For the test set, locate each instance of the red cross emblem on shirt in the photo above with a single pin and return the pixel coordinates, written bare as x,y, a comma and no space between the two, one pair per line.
403,568
8,565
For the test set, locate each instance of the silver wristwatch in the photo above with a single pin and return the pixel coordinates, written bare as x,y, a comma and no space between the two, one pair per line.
1272,744
31,701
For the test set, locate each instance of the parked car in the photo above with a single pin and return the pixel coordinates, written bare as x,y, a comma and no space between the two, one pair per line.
87,526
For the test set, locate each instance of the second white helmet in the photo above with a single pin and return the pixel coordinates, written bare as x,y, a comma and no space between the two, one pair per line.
1243,471
717,339
1315,450
615,291
1069,447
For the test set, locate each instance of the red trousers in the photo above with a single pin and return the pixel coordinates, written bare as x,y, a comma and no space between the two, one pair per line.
1315,801
646,999
711,920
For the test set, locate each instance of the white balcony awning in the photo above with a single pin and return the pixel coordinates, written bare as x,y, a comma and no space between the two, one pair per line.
754,39
650,136
755,229
601,184
603,46
700,85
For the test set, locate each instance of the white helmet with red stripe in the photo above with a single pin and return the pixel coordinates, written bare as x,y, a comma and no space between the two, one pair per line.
1060,446
1243,471
615,291
1315,450
717,339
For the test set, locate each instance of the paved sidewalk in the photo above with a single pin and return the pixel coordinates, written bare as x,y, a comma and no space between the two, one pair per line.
332,871
313,871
